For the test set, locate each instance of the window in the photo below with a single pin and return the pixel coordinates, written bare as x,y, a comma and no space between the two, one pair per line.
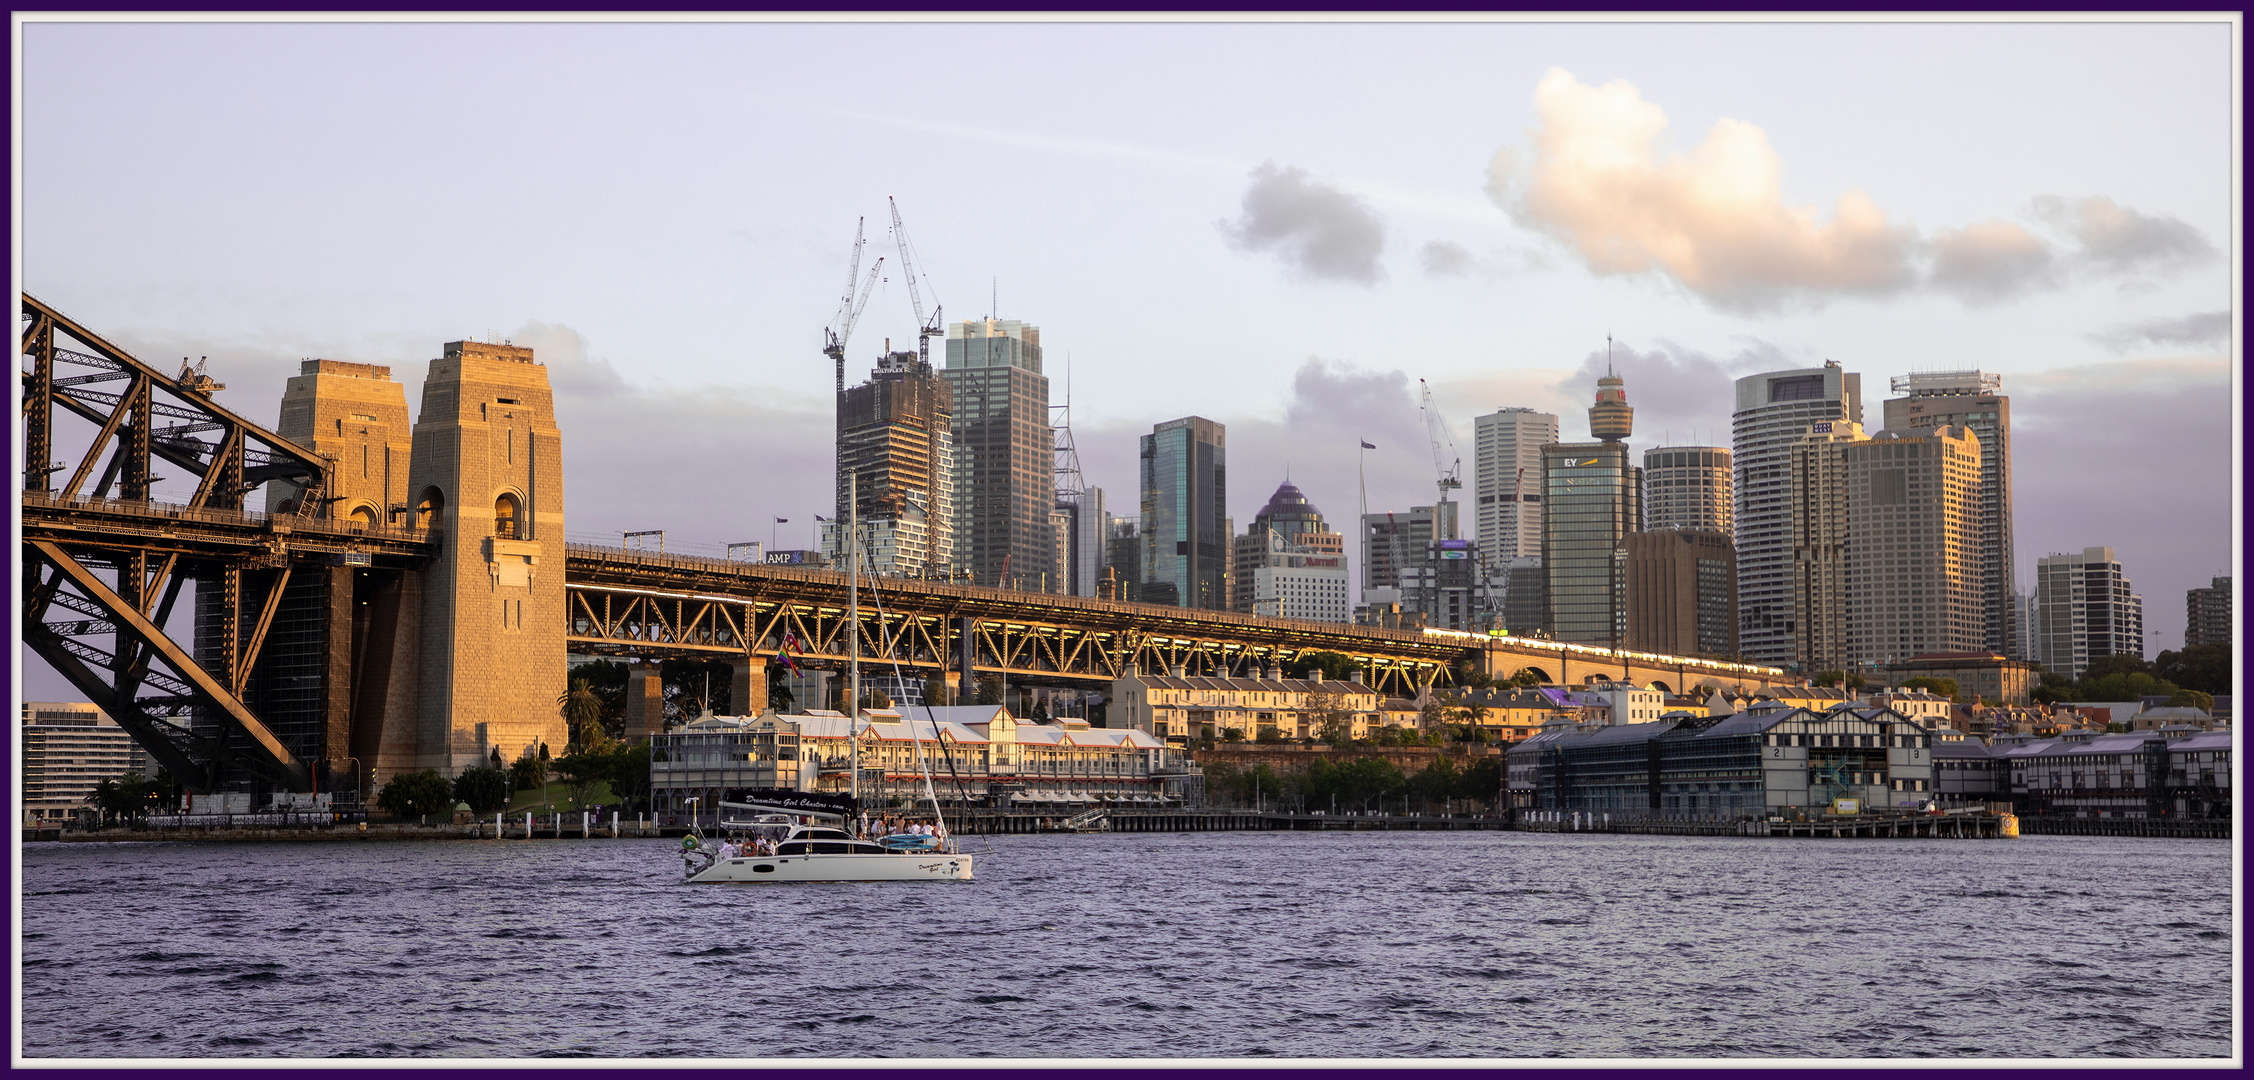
505,513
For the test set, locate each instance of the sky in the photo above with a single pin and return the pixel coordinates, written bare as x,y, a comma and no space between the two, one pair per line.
1291,228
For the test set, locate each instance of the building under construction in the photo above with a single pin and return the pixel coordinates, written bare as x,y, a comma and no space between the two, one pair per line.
895,441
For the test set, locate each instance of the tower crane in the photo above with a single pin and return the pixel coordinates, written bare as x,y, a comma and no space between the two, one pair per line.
1445,461
848,309
925,328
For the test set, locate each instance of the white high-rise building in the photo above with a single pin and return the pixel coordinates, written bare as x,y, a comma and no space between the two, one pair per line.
1774,410
2086,610
1507,521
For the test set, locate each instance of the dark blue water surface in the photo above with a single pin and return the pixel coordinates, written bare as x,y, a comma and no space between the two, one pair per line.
1141,945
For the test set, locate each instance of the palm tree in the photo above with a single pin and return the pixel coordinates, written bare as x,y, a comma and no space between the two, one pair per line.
582,710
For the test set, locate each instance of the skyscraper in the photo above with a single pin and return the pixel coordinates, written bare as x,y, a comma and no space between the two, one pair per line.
895,437
2087,610
1288,528
1688,487
1005,453
1393,542
1123,559
1913,541
1973,399
1680,593
1774,410
1591,498
1185,518
1819,545
1507,481
1091,527
2207,614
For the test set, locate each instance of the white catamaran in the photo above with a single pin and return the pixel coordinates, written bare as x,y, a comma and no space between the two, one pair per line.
808,833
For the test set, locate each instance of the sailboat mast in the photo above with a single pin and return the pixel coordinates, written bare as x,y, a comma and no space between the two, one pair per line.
853,630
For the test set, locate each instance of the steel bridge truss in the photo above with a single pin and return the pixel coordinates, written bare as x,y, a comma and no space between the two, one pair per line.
96,602
629,621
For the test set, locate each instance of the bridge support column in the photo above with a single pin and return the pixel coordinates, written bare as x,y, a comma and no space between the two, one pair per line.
645,703
747,691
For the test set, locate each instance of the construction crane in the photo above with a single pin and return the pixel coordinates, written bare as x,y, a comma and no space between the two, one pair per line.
848,309
1445,461
925,328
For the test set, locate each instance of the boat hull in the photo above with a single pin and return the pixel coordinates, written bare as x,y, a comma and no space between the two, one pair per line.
848,867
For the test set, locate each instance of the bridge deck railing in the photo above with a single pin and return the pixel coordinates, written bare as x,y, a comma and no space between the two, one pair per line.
163,511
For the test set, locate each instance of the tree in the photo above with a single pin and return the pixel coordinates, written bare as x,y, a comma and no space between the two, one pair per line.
691,686
779,695
1830,678
2051,688
1329,665
1524,678
2205,668
1269,735
132,796
530,770
1230,734
936,693
2116,664
873,698
630,775
2202,701
2124,686
582,771
606,679
417,794
485,788
989,690
582,711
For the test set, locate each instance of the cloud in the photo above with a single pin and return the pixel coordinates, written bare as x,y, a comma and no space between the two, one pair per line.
1680,394
1991,261
2203,328
1444,259
1319,229
1713,220
2115,239
2091,429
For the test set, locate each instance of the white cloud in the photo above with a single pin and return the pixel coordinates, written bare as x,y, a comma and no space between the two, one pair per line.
2202,328
2116,239
1444,259
1714,220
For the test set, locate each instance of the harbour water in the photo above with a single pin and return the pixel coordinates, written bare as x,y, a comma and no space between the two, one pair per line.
1323,945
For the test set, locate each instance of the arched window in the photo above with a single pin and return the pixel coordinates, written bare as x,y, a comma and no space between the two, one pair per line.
428,508
364,516
505,514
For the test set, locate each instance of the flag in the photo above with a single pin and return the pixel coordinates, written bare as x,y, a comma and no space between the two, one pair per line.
1369,446
790,642
819,517
782,521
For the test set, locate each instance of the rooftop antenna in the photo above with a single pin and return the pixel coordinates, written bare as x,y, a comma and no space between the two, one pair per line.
1608,354
994,302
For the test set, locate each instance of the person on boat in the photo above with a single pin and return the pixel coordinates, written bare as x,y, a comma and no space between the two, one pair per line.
728,849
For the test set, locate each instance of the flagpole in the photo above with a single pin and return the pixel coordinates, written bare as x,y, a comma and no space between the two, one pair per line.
853,630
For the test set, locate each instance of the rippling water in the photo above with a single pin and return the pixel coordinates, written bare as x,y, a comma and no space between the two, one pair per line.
1141,945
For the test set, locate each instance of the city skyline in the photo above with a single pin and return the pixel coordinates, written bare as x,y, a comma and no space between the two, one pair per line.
1306,327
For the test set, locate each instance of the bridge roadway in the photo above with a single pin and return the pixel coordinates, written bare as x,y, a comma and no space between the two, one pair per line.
635,603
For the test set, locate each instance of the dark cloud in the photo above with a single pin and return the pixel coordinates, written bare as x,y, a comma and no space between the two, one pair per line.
2204,328
2089,438
1442,258
1679,393
1319,229
1990,261
2115,239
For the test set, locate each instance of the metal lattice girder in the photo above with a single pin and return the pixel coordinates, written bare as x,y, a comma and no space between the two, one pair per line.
266,753
129,417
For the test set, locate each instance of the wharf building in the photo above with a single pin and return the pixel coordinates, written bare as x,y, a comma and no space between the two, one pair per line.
1914,583
1774,410
1591,499
2174,773
1005,456
2207,614
69,748
1178,708
1288,563
1818,482
1507,481
1745,765
1974,400
895,441
1688,487
975,754
1185,526
2086,609
1679,592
